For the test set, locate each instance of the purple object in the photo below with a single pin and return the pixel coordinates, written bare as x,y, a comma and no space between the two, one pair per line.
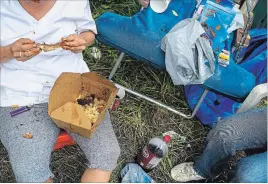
19,111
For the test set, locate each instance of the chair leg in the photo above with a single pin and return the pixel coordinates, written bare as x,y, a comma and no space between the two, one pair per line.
199,102
116,66
164,105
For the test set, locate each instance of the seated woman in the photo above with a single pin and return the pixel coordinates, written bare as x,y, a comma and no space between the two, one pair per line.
27,76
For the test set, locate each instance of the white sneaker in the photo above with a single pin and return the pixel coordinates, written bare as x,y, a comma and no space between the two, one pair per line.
185,172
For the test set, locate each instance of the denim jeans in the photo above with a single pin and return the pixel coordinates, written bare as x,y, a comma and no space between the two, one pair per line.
252,169
242,131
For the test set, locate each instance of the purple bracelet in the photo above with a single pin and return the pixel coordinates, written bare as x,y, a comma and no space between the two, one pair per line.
19,111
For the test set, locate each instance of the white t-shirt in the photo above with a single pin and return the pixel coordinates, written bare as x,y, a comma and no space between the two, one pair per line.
30,82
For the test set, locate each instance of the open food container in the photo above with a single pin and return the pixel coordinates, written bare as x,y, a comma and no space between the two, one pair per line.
78,102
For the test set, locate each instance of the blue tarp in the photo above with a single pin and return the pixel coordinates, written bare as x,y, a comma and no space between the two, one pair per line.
216,105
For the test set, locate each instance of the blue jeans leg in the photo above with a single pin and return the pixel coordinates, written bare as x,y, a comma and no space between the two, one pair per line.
242,131
252,169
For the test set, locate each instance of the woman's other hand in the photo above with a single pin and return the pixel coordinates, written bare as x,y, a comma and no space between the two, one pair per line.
144,3
78,42
24,49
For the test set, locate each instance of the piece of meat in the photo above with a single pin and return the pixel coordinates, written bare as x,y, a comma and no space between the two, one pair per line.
49,47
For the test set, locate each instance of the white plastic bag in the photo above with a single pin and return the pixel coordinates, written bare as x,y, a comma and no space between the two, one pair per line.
189,57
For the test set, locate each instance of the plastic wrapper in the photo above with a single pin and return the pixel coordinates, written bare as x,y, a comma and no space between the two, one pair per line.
133,173
215,30
189,57
226,14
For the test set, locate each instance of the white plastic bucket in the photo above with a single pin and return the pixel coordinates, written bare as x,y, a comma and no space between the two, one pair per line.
159,6
119,96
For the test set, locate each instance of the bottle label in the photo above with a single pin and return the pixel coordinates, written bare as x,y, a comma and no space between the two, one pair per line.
154,162
147,159
145,152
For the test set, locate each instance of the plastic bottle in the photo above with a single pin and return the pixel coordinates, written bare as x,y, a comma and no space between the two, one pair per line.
153,153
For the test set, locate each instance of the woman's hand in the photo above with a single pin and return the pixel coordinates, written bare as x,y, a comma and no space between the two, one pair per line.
144,3
77,43
24,49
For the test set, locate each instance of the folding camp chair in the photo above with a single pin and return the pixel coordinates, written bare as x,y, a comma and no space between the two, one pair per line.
140,36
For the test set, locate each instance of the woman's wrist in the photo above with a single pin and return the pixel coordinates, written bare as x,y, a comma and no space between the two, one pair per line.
88,36
6,53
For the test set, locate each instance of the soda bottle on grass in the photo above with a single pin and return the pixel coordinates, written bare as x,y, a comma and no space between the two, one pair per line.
152,154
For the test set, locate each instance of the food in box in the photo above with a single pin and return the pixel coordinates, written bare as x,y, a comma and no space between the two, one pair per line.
69,90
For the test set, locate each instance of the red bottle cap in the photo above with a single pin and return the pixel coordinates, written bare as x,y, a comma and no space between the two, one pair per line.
166,138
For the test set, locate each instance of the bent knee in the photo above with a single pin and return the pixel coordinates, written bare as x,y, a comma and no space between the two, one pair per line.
222,135
106,159
225,131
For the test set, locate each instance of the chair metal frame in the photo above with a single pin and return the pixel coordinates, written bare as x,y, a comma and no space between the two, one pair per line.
189,116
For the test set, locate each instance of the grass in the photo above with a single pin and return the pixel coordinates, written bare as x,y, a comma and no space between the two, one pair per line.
135,121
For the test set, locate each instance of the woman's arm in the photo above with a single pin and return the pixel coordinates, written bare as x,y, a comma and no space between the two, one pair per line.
88,36
6,53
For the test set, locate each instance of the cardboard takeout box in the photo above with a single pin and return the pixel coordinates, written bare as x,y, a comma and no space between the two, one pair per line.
63,108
